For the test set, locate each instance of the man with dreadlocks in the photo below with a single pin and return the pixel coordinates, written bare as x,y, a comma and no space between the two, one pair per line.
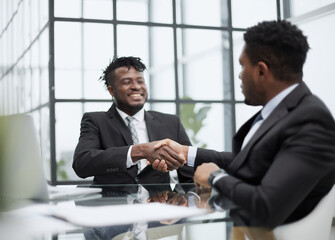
114,146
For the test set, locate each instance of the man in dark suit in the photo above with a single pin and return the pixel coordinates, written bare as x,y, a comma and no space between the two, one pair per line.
106,148
283,158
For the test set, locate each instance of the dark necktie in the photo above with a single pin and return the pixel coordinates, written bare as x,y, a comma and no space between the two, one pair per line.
258,118
251,130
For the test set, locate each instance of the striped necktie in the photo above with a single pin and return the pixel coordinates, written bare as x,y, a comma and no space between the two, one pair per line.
134,136
132,129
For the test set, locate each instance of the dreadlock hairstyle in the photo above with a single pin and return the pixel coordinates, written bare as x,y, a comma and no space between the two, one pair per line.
108,73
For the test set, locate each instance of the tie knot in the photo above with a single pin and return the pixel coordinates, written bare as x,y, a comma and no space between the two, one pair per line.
130,119
258,118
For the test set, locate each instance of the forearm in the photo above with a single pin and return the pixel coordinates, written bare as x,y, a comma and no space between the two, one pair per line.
222,159
94,162
140,151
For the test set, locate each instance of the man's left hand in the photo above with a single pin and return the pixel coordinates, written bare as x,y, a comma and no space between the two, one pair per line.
202,174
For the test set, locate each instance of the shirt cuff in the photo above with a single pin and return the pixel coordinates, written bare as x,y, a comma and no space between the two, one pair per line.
192,153
129,162
218,177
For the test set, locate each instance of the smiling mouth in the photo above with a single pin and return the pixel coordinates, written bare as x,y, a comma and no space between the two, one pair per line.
135,95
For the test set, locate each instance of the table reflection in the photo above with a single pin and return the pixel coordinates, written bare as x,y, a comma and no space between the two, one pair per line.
224,220
175,194
243,226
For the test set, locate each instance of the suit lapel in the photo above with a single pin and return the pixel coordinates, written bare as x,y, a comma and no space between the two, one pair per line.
120,125
240,135
152,127
288,103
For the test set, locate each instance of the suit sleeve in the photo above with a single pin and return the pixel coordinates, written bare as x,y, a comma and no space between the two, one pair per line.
222,159
90,159
301,171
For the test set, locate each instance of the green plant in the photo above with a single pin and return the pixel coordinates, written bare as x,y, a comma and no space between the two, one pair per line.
61,173
192,120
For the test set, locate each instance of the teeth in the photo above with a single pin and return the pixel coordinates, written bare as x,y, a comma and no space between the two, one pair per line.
136,95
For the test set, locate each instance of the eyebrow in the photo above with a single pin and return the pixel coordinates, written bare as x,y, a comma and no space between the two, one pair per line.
128,78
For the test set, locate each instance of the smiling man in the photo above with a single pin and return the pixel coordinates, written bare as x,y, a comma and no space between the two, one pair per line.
114,146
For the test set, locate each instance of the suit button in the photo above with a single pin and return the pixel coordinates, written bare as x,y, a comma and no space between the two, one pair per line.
136,179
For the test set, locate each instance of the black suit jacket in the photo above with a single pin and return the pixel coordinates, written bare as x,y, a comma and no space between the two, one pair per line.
287,166
104,142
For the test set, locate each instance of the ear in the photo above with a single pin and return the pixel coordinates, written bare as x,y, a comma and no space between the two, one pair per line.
262,69
111,90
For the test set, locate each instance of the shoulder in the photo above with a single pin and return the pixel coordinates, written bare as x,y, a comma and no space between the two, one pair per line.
163,116
95,115
314,107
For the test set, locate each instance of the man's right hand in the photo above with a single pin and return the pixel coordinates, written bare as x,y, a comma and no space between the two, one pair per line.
163,166
149,151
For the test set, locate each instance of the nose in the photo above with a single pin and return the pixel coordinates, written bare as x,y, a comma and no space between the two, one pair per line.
135,85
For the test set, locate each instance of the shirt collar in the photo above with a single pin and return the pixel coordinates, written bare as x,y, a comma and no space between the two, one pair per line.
139,116
274,102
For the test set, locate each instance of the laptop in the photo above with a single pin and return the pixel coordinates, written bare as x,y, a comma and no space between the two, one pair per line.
21,168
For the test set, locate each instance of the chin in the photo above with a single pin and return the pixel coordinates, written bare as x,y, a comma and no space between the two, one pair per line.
250,103
247,102
137,106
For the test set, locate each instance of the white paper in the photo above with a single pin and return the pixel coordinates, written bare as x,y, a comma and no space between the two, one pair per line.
124,214
94,216
31,222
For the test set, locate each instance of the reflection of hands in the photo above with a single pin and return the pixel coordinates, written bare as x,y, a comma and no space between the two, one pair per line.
151,152
177,199
168,197
160,197
202,174
172,198
176,147
204,194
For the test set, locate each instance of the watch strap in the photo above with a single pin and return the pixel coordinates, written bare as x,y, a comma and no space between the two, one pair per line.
215,174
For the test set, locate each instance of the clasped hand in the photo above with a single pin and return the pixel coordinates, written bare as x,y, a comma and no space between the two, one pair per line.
170,155
202,173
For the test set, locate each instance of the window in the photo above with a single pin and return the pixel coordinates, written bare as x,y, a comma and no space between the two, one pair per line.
50,65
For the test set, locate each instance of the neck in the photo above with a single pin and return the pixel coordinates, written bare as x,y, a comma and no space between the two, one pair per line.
129,111
277,87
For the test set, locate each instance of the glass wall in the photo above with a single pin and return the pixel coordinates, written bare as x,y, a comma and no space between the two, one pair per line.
24,65
52,54
317,20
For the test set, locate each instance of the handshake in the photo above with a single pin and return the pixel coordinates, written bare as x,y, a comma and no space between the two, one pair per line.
167,155
164,155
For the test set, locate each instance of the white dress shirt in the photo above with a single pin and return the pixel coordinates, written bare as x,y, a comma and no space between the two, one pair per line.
267,110
142,133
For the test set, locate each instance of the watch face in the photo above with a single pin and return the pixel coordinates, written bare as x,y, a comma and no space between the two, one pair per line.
217,172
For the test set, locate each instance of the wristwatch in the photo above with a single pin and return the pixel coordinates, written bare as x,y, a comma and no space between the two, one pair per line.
214,174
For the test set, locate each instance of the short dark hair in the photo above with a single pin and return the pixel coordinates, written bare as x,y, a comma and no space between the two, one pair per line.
107,74
281,45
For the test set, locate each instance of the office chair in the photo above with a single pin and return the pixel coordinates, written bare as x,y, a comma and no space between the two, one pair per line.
316,225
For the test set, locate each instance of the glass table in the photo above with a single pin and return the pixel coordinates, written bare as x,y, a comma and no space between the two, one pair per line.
214,223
